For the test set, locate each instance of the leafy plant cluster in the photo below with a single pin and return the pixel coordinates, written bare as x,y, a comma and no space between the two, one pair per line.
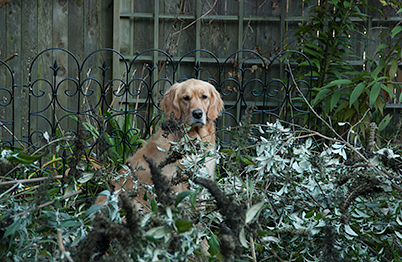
343,92
297,199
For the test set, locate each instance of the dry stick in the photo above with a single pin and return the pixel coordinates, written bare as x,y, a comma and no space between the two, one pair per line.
248,206
51,202
64,197
228,195
274,253
24,192
119,88
8,190
9,58
61,246
85,101
350,130
64,137
175,33
258,7
22,181
9,172
11,133
340,137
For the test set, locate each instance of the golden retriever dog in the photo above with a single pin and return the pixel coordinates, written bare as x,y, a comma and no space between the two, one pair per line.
194,102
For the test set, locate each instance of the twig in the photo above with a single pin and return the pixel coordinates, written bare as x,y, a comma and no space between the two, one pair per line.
336,134
350,130
61,246
8,190
11,133
9,58
248,206
52,202
258,7
274,253
64,197
24,192
229,194
22,181
175,33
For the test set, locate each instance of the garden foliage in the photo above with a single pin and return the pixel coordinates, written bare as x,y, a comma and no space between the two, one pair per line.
345,92
282,192
296,200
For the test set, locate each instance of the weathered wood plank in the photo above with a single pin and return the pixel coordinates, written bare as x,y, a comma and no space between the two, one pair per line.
14,46
28,51
44,62
5,112
76,17
60,39
92,43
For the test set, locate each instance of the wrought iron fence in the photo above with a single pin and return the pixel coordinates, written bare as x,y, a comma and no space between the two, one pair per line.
115,110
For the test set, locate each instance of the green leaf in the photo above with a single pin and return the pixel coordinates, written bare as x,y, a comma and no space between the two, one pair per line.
156,232
399,235
339,82
377,71
356,93
313,46
22,158
348,114
393,68
253,211
92,210
85,177
242,238
375,91
193,200
312,52
341,107
350,231
214,247
388,89
335,99
396,30
384,122
183,225
11,229
94,131
379,105
182,196
310,214
247,160
382,46
320,95
347,4
154,205
69,224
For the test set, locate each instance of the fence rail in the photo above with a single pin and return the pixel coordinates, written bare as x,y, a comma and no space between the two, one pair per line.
85,99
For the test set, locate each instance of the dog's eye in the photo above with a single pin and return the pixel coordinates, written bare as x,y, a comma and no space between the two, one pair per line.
186,98
204,97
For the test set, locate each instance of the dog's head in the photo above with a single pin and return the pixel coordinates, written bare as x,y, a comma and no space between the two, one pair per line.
193,101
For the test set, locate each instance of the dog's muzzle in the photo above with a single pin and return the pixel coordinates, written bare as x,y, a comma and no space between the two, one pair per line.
198,118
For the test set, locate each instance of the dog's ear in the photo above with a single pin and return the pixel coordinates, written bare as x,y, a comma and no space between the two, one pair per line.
215,105
170,102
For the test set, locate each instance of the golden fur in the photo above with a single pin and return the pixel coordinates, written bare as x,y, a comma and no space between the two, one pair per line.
194,102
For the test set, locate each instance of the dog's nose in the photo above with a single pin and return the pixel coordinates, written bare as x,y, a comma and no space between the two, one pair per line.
197,114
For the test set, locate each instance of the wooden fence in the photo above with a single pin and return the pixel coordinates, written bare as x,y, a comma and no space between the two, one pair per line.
132,26
117,108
